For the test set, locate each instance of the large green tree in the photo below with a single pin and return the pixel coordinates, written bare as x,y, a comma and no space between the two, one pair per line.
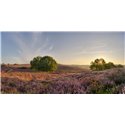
45,63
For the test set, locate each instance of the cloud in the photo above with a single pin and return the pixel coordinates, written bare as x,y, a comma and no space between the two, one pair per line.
96,48
94,52
31,45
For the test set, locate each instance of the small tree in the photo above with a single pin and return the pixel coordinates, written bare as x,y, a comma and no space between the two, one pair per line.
109,65
98,64
45,63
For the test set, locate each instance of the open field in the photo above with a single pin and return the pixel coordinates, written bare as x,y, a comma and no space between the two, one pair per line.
23,72
67,79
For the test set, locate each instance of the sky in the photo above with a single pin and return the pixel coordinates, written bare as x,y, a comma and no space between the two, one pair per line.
65,47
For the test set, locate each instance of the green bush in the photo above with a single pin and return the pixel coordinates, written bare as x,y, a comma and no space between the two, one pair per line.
96,87
109,65
45,63
100,64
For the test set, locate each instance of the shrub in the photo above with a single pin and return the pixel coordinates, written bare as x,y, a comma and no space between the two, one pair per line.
109,65
98,87
45,63
100,64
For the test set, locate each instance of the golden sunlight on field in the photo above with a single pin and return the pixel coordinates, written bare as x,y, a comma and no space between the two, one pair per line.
27,76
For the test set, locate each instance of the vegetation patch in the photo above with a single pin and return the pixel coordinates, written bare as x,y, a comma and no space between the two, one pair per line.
45,63
100,64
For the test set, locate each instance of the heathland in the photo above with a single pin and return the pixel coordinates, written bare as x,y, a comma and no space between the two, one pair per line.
67,79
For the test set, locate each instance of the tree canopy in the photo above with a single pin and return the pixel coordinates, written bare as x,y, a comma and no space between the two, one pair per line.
45,63
100,64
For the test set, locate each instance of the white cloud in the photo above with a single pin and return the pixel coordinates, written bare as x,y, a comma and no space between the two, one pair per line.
96,48
30,46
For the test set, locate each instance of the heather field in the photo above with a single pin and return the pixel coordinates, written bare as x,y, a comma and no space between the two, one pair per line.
66,80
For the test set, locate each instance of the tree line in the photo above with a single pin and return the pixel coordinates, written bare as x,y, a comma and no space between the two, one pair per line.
47,63
100,64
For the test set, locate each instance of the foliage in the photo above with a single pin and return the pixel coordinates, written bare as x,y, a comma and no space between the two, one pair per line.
35,63
109,65
96,87
100,64
45,63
